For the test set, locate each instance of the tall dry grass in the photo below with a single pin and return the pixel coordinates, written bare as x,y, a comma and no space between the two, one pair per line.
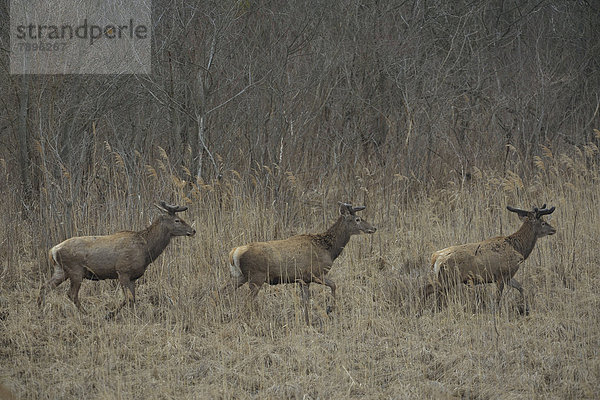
185,340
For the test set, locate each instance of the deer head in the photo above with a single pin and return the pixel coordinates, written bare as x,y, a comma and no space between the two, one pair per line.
175,225
534,218
352,222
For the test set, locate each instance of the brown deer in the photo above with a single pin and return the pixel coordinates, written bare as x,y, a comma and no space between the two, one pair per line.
124,256
299,259
5,393
494,260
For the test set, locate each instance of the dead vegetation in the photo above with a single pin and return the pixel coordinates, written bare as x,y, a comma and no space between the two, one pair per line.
182,340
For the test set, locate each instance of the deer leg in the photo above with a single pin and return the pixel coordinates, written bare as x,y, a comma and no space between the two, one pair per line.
443,297
500,287
427,291
254,288
131,294
57,278
74,292
523,307
229,288
331,284
439,285
234,284
442,288
446,284
237,282
128,287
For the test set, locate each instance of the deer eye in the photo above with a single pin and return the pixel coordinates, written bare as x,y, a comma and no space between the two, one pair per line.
177,221
357,219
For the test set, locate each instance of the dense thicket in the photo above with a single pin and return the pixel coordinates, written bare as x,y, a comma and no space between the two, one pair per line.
427,90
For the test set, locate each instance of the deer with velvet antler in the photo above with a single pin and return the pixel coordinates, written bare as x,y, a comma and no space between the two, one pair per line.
123,255
494,260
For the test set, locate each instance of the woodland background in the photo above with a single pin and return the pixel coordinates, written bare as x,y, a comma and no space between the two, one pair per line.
260,117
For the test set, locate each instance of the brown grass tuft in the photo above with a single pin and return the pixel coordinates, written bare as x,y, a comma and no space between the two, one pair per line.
185,339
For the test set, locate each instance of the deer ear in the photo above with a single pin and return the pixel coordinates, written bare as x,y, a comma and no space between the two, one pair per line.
345,208
523,217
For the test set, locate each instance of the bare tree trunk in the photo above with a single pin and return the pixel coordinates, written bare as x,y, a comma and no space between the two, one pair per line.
23,136
200,146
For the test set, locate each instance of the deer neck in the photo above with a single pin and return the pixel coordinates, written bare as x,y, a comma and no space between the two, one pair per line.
336,238
157,238
523,240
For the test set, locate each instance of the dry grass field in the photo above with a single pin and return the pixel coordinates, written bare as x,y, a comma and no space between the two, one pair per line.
185,340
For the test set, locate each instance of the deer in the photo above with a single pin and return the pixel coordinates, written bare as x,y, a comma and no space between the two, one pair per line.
5,393
494,260
301,259
123,255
